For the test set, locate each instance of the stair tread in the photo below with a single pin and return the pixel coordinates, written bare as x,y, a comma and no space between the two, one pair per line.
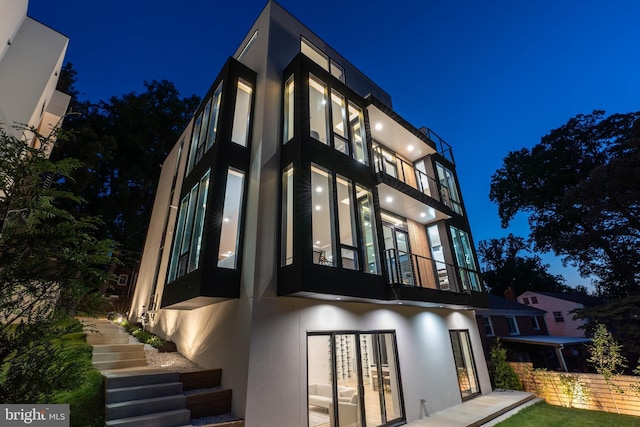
148,417
143,401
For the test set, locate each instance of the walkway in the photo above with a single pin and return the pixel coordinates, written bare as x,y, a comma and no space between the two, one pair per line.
476,412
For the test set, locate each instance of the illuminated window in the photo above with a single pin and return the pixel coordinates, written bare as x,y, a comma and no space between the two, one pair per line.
229,236
242,113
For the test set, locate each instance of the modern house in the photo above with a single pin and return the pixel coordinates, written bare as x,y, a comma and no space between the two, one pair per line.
313,244
559,307
31,56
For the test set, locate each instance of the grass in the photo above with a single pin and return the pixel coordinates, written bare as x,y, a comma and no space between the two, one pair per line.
542,414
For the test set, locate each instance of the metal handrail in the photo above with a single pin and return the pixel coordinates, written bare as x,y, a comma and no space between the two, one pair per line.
442,146
430,188
404,269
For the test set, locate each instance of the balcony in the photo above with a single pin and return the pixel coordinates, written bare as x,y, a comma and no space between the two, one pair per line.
389,164
407,269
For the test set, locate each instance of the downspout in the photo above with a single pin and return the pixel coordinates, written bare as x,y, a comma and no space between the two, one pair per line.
563,364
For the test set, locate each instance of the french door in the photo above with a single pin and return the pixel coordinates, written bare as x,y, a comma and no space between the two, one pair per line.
465,365
353,379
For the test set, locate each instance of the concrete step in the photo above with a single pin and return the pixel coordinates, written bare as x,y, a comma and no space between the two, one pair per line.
133,378
123,394
117,355
98,339
119,364
175,418
107,348
135,408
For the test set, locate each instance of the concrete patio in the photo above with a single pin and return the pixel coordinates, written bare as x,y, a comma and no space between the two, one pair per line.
482,411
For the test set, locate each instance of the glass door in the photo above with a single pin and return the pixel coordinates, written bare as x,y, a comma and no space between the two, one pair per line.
396,244
353,380
465,366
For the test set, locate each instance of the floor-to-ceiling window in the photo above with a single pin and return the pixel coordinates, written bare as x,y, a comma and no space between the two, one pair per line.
465,365
353,379
464,258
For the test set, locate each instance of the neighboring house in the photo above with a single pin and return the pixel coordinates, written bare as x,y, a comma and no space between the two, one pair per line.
313,244
523,332
505,318
31,56
559,309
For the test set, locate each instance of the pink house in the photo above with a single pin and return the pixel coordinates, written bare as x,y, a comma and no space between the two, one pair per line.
559,318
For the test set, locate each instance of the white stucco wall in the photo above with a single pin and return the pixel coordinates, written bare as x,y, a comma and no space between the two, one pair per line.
12,13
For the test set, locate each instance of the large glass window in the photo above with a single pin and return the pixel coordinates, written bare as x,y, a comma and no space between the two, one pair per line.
213,121
368,227
242,113
357,370
465,365
465,259
358,135
347,224
287,216
289,102
437,253
185,254
311,51
322,218
318,110
231,219
339,122
449,189
195,141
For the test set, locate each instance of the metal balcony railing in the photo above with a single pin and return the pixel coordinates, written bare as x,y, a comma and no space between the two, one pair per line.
390,165
407,269
442,146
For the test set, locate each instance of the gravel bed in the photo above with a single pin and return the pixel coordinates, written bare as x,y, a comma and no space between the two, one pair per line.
229,416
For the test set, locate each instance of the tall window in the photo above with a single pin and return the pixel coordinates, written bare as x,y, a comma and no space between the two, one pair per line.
204,129
185,254
368,227
347,224
242,113
465,364
213,121
464,257
231,217
322,219
321,58
512,324
289,102
318,110
358,136
287,216
449,189
339,122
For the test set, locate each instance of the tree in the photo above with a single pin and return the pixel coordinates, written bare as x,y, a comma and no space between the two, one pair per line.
503,267
607,359
580,187
122,144
622,320
51,266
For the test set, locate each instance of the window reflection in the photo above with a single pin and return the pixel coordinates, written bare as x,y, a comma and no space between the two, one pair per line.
242,113
231,219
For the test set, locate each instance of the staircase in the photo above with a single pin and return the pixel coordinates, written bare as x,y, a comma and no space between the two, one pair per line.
140,396
144,398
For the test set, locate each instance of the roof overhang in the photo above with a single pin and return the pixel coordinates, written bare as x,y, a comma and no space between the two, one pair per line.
548,340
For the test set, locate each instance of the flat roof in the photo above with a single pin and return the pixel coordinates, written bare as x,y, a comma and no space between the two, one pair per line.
551,340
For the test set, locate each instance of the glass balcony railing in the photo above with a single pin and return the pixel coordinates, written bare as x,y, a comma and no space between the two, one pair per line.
393,166
407,269
442,146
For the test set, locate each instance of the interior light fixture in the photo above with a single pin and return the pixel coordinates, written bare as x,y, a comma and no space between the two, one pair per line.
318,207
389,199
378,126
226,219
317,242
318,189
422,214
410,148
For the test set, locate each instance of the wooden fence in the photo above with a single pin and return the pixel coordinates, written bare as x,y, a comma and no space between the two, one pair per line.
580,390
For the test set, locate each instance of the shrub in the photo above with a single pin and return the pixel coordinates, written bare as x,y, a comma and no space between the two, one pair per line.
504,377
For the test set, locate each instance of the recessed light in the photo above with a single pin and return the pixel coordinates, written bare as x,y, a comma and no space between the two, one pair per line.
400,303
226,219
389,199
338,298
422,214
317,242
410,148
318,207
378,126
318,189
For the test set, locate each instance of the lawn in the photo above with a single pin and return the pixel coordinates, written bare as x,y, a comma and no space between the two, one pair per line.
542,414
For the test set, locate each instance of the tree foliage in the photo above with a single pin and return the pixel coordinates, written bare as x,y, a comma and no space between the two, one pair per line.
503,375
606,357
122,143
51,266
580,187
622,318
504,266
